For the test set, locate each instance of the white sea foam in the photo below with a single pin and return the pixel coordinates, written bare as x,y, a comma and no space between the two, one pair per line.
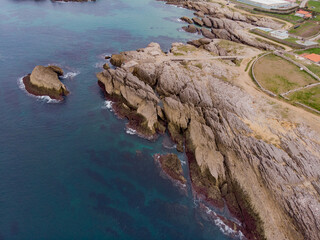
107,105
21,84
179,20
46,99
225,229
70,75
131,131
99,64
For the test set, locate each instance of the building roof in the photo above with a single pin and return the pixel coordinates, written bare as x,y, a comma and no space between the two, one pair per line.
302,12
313,57
270,2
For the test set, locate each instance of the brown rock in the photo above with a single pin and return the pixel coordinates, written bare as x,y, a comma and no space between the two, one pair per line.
117,60
44,81
207,22
186,19
207,33
197,21
56,69
106,66
190,29
171,165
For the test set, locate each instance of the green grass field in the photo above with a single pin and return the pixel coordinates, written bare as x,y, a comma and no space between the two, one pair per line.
314,5
308,96
306,29
310,50
269,71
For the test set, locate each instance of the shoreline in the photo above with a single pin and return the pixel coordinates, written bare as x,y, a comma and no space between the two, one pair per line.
39,92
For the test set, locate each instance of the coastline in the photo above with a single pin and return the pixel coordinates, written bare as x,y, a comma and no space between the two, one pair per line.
36,91
222,151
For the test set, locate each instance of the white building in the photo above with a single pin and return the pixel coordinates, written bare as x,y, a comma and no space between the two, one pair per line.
281,34
268,4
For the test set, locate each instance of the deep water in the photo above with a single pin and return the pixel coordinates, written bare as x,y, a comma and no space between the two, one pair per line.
69,170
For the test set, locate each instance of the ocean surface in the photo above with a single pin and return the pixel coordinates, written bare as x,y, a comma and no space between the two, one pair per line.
72,170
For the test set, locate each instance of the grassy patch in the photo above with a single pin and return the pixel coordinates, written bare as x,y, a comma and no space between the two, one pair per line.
311,50
308,96
314,68
186,49
287,17
314,6
269,71
306,29
291,39
248,64
198,65
178,54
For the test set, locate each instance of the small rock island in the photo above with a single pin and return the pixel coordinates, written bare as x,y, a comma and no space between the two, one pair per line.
44,81
171,165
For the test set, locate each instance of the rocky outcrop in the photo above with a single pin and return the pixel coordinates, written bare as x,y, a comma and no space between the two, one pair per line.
197,21
171,165
191,29
186,19
44,81
225,23
240,151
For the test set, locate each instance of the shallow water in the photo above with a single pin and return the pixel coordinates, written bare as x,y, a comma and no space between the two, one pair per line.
70,170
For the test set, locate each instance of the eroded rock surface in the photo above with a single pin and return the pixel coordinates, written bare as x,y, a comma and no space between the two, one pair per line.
225,23
45,81
265,168
171,165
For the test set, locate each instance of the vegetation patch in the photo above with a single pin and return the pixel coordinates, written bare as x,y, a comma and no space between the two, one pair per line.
314,6
310,50
240,205
186,48
306,29
308,96
269,71
198,65
171,165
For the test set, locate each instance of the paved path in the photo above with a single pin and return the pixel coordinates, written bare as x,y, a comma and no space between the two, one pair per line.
303,3
181,58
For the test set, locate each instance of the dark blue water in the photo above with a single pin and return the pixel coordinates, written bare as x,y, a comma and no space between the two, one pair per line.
69,170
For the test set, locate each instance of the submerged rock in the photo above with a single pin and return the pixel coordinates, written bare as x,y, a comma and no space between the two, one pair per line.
190,29
186,19
44,81
171,165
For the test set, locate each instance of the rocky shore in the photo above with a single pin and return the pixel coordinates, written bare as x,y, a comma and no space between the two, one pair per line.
214,20
44,81
171,165
241,150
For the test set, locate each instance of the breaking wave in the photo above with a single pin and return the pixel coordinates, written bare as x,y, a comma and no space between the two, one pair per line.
224,228
70,75
107,105
131,131
46,99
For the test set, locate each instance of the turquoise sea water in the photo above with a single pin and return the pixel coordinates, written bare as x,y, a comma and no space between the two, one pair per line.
70,170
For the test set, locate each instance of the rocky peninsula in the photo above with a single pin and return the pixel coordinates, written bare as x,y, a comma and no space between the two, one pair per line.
258,155
44,81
